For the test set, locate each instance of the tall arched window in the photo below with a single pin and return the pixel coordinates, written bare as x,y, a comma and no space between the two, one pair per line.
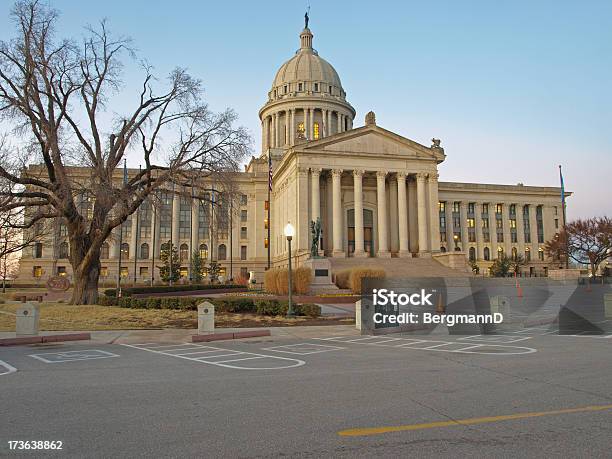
527,254
104,250
144,251
487,254
63,250
125,250
472,253
315,131
514,253
184,252
222,252
203,251
500,252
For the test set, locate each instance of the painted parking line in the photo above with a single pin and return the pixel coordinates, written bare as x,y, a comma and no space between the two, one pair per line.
360,432
499,339
544,331
303,348
461,347
71,356
6,369
221,357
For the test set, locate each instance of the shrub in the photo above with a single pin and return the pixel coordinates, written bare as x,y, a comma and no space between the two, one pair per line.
241,280
276,281
309,309
129,291
343,279
280,308
302,278
107,300
232,304
358,274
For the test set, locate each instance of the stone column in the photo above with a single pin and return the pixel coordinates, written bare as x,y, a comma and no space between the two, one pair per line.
309,127
450,227
276,130
154,242
287,124
329,118
298,212
464,227
520,232
358,198
533,231
134,236
506,220
315,174
381,201
176,205
337,212
195,223
478,229
402,212
422,213
493,230
339,122
263,134
434,213
292,127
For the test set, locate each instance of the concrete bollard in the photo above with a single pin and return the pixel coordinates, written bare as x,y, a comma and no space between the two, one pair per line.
206,317
27,320
358,315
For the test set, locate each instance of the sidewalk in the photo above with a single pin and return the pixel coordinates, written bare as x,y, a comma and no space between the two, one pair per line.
184,336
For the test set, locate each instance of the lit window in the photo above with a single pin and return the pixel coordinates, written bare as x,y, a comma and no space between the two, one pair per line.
301,129
103,271
184,252
442,206
203,251
316,131
498,208
183,272
125,250
471,223
124,272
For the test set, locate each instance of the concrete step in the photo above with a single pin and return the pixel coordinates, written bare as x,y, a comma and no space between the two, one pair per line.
399,267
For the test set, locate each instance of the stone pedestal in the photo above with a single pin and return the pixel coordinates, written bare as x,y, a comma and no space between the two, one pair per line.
321,275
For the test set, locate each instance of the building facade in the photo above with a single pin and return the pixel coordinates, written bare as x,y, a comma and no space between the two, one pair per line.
377,194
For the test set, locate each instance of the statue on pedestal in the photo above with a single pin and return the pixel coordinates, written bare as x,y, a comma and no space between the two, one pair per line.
315,232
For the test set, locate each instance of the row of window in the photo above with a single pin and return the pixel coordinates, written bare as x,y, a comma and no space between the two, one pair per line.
64,251
303,86
143,271
500,253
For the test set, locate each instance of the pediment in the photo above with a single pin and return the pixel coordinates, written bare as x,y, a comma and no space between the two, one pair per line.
372,140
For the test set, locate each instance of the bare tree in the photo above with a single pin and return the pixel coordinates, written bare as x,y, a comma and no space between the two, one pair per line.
55,94
586,242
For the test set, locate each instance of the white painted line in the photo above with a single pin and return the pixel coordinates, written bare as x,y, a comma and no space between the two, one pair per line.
9,368
240,360
182,349
303,348
158,347
72,356
495,338
290,362
193,353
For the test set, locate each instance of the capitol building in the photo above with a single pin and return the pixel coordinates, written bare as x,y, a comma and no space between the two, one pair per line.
377,194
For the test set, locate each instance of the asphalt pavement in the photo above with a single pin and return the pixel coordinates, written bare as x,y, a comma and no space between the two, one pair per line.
529,394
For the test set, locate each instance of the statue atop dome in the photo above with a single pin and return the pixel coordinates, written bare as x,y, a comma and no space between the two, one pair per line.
306,19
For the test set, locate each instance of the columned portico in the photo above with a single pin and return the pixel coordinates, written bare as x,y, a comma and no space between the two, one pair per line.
358,198
381,200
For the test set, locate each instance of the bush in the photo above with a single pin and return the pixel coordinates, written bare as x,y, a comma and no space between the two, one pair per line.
358,274
343,279
276,281
238,304
280,308
167,288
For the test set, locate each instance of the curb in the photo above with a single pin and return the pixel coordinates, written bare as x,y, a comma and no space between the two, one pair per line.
44,339
226,336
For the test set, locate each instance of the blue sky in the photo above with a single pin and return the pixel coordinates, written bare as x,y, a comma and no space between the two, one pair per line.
512,88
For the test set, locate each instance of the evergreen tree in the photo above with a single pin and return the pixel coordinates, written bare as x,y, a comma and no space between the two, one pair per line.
501,267
170,269
213,271
197,267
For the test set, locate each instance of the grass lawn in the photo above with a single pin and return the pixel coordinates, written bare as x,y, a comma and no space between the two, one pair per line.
57,316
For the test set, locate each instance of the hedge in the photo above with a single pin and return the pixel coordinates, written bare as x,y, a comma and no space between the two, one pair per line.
167,288
233,305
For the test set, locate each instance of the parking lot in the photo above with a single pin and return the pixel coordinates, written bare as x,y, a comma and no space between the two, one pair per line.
531,393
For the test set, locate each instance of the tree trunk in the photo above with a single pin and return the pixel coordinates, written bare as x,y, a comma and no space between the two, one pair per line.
85,290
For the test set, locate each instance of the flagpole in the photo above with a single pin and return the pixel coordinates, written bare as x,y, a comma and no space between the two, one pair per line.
269,203
121,236
563,214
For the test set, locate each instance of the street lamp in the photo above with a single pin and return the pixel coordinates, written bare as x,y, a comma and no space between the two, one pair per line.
289,232
456,239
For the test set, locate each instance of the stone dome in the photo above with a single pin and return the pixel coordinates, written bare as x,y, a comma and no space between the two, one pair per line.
306,73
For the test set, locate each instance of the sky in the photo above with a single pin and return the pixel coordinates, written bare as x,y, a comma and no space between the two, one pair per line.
513,89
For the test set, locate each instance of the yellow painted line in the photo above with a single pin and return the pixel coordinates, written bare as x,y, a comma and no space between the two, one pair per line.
467,422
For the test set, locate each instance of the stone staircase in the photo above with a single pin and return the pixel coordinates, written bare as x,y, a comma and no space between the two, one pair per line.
399,267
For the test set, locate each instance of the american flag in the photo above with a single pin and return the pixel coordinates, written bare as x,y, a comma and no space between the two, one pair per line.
269,171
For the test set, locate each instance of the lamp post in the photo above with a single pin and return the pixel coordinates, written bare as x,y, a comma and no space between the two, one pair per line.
456,239
289,232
